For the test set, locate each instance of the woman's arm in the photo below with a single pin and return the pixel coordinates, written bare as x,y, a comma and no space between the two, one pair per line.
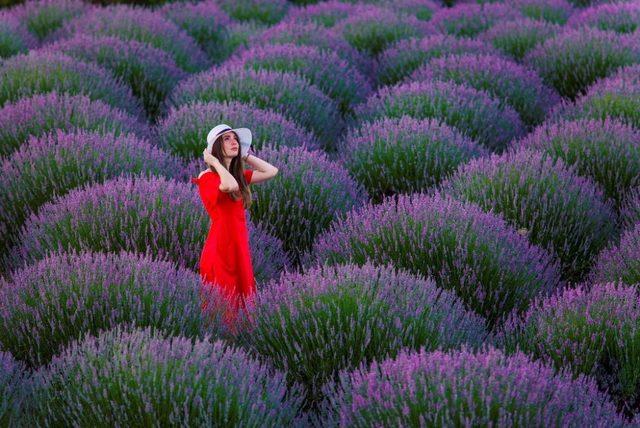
227,181
263,170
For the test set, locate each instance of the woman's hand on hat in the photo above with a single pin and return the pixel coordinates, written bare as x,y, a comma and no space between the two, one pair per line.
209,159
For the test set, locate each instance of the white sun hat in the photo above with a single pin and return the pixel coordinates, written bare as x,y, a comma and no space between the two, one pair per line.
244,135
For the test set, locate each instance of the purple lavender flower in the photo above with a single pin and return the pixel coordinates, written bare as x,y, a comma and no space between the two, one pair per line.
468,20
14,388
630,209
332,318
517,38
14,37
43,71
129,374
183,130
326,13
551,11
421,9
42,17
268,12
41,113
515,84
473,112
619,17
566,213
621,261
478,387
491,267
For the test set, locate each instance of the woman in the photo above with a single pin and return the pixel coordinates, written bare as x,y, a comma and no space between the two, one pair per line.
225,260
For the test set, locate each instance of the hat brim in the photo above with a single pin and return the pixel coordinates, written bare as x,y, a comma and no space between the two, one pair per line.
245,137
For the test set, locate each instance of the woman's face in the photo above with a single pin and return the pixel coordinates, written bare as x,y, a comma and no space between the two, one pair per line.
230,144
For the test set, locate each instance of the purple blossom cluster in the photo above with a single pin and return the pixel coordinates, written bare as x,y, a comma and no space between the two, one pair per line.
468,20
630,209
619,17
60,161
620,262
305,198
182,132
474,112
590,329
464,386
284,92
14,388
516,38
14,37
127,374
326,13
314,324
490,266
150,72
267,12
141,24
401,58
21,76
404,155
518,86
543,197
36,115
326,70
421,9
552,11
607,151
42,17
55,301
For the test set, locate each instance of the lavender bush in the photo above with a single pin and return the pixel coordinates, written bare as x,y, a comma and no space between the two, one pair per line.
264,11
590,330
575,59
515,84
61,298
519,37
621,261
14,388
330,318
616,96
326,13
421,9
305,196
468,20
182,131
326,70
401,58
150,72
36,115
14,38
140,24
286,93
42,17
404,155
131,376
205,22
473,112
619,17
43,71
607,151
552,11
56,163
485,262
630,209
458,387
566,213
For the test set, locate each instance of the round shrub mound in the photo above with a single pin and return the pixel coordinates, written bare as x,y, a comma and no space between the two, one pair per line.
39,114
552,205
515,84
574,59
485,262
620,262
474,112
371,30
42,17
421,9
331,318
326,13
588,329
630,209
313,34
607,151
150,72
618,17
140,24
133,376
239,34
404,56
87,292
264,11
616,96
478,387
305,196
42,71
13,388
56,163
14,38
182,133
404,155
517,38
286,93
469,20
552,11
205,22
326,70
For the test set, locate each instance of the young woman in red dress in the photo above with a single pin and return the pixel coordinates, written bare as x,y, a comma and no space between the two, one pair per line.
225,261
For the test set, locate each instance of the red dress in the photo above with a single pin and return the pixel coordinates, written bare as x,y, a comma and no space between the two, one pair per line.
225,259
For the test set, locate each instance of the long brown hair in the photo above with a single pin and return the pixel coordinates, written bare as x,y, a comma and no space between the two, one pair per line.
236,168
